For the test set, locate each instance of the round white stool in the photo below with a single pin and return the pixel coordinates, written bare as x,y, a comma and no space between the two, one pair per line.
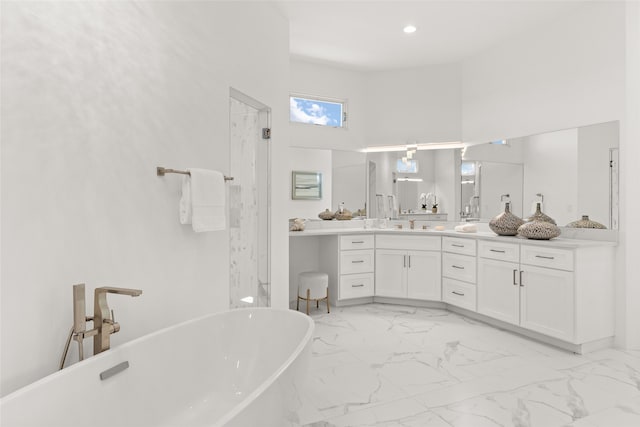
313,286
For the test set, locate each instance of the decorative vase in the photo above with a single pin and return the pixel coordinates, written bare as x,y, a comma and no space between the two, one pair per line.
585,222
506,223
539,230
326,215
434,209
538,215
344,215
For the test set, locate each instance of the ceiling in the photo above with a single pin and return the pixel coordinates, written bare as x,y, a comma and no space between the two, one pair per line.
367,35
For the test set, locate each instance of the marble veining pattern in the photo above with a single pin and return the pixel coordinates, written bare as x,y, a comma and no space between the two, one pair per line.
390,365
243,204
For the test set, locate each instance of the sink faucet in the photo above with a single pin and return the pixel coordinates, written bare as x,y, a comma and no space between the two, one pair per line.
103,321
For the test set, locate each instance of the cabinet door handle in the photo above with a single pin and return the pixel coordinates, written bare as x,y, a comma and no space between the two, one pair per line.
457,246
361,285
357,241
545,257
496,250
521,282
358,261
457,293
458,267
409,261
404,261
514,277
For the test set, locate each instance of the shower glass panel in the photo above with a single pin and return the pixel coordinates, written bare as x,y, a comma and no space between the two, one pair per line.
248,203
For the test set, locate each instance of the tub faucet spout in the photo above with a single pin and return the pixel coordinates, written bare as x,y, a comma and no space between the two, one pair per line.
103,318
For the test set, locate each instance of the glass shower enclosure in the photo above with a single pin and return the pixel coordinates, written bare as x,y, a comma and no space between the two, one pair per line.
249,202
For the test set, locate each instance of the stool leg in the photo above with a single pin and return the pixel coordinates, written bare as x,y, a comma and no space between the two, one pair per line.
318,303
308,298
328,311
298,303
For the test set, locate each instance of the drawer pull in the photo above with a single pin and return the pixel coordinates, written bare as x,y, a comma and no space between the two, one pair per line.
514,277
358,261
458,267
358,286
457,246
545,257
357,241
457,293
496,250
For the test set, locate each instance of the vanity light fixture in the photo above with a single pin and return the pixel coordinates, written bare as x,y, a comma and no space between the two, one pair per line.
423,146
409,29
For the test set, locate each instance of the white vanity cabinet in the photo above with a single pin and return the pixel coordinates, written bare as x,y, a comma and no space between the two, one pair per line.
459,272
564,293
498,281
356,266
408,267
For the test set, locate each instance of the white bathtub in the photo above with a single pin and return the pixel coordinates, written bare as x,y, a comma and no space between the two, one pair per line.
237,368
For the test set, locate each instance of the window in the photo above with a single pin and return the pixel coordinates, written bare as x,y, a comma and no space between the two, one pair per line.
405,165
317,111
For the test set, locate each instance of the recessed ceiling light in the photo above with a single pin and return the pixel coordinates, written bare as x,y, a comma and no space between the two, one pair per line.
409,29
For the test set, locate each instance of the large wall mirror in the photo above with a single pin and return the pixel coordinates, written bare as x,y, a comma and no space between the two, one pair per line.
572,172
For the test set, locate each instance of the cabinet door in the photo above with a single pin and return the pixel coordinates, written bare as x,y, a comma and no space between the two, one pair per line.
424,275
546,302
391,273
498,290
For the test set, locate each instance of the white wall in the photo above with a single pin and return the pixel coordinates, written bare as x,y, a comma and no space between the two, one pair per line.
325,81
310,160
628,295
421,104
566,74
95,96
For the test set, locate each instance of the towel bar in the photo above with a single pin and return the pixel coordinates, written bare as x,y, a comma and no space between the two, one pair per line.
160,171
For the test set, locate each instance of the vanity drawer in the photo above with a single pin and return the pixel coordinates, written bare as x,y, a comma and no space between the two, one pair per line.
419,243
352,262
458,245
561,259
356,241
356,286
460,267
459,293
500,251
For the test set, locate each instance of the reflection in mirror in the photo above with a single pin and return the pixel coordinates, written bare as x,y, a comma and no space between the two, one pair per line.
349,173
571,172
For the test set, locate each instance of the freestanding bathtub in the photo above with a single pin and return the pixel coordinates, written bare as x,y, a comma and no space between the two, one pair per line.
237,368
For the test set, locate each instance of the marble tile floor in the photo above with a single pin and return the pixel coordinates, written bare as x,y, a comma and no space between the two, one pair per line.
391,365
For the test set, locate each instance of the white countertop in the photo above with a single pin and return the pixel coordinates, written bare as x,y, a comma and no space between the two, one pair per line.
483,235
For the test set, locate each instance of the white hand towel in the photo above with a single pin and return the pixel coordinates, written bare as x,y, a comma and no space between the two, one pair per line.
466,228
185,201
208,204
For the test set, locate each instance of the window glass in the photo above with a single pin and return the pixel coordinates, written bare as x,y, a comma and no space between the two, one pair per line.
316,111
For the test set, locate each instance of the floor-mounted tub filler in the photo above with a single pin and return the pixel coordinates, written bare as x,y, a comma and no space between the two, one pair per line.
237,368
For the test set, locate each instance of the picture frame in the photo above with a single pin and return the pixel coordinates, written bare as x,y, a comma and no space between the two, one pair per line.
306,185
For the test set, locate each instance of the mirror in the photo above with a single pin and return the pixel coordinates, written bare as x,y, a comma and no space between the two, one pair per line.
573,172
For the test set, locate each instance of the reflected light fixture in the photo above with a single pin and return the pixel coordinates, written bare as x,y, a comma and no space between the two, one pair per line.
409,29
